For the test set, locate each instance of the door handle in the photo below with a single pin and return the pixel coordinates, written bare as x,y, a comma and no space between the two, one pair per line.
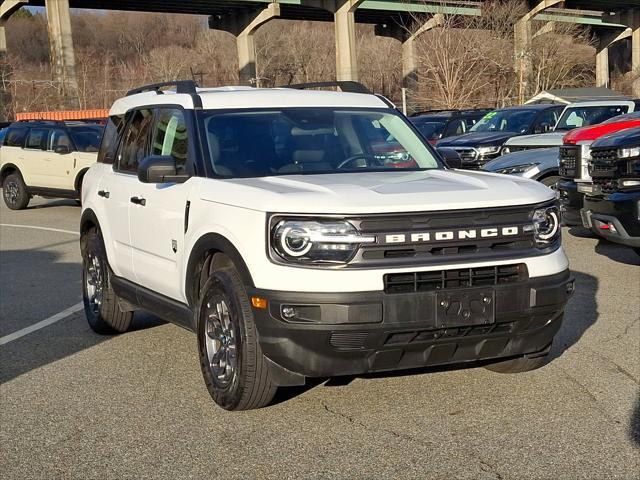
138,201
103,193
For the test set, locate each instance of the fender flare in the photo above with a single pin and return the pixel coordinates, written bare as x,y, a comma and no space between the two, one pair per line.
7,167
206,243
88,218
79,176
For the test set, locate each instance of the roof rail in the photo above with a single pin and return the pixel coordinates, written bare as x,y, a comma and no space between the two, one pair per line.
345,86
182,86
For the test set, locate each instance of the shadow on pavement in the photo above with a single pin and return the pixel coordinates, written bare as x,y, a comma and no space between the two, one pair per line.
634,426
60,202
35,286
617,253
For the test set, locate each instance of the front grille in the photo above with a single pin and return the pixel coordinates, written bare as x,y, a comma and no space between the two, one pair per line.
569,161
467,155
348,340
604,154
458,278
380,254
606,185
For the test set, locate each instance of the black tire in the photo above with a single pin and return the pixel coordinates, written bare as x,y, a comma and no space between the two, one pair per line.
14,192
518,365
246,383
550,181
101,309
637,250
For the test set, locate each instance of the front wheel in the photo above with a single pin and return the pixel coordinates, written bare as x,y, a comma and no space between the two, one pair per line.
15,192
101,305
234,369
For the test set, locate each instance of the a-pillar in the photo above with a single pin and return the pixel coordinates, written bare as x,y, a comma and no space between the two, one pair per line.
63,61
244,26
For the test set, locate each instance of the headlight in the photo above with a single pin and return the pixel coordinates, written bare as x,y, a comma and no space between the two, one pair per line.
518,168
484,151
317,241
629,152
546,225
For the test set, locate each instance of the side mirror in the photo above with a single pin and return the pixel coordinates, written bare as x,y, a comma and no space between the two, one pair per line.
450,156
62,149
159,169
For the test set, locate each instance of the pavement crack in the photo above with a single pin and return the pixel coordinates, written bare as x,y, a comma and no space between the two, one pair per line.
589,394
624,332
488,468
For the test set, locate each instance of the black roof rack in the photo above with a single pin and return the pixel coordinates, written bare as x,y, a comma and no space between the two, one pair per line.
182,86
345,86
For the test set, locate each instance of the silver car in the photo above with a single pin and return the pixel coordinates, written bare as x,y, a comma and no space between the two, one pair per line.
538,164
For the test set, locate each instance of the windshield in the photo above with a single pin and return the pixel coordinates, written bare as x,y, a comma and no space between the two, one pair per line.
86,137
254,143
431,128
505,121
582,116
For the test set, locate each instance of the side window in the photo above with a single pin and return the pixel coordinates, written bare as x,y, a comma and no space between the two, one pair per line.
546,121
15,137
455,127
37,139
135,143
110,139
170,136
59,138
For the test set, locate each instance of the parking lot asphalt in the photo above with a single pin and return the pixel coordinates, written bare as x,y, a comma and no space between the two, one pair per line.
77,405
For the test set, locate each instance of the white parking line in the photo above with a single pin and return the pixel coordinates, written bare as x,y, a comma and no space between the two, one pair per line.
40,228
44,323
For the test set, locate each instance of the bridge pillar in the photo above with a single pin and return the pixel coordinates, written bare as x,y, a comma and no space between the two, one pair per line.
523,37
7,7
243,27
602,65
409,57
63,63
345,37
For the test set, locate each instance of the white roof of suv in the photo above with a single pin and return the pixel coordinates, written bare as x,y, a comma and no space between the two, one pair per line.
249,97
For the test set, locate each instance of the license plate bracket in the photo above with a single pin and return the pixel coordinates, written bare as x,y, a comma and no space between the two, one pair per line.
465,307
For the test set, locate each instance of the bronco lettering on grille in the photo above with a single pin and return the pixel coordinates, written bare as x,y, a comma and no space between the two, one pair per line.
448,235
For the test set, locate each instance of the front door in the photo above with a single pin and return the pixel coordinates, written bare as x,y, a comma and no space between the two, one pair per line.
158,219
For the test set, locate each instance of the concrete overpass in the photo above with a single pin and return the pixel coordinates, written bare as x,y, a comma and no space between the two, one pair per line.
611,20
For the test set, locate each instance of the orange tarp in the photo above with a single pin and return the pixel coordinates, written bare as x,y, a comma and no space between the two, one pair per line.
64,115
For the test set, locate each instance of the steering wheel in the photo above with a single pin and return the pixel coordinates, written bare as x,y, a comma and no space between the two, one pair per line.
369,161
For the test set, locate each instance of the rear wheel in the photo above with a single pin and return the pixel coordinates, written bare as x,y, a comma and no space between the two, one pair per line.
15,192
100,301
234,369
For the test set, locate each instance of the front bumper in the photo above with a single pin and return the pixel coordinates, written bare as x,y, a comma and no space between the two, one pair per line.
571,202
620,210
355,333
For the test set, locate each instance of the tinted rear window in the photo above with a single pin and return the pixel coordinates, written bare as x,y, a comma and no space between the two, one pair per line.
15,137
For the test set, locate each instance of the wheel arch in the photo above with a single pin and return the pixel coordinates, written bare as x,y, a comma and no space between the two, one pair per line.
548,173
7,170
201,257
88,220
78,180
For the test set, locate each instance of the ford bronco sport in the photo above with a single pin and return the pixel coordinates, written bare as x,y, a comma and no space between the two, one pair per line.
262,220
46,157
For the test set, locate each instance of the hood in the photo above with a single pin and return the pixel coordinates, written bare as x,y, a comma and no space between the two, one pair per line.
623,139
593,132
542,156
551,139
376,192
476,139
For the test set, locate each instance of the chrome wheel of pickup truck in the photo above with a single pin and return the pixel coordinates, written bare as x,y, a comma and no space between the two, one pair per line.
93,282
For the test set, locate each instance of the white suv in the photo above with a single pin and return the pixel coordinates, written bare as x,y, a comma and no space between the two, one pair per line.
312,234
45,157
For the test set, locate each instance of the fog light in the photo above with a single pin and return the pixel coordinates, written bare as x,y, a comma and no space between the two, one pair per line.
288,312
